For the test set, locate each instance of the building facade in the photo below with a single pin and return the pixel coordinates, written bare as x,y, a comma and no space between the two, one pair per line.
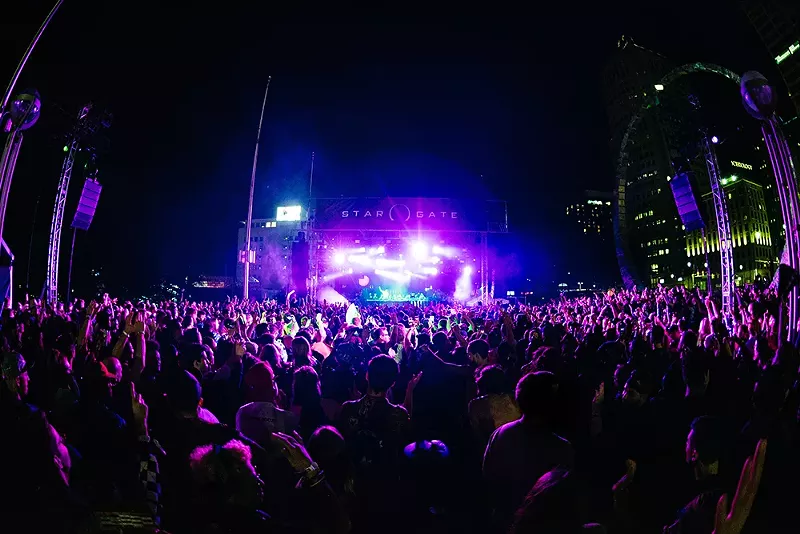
778,25
592,215
655,237
271,240
753,247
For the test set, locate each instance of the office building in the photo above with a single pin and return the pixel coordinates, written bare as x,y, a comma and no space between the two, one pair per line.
778,25
589,230
591,216
271,241
753,247
655,237
628,77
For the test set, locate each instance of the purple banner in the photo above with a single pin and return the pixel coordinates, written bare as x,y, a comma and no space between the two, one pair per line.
429,214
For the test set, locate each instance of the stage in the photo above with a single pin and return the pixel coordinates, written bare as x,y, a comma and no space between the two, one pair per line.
403,250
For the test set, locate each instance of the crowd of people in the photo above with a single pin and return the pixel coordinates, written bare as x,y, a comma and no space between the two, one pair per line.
618,412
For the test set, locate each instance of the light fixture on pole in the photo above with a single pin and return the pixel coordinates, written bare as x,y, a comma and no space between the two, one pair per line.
247,257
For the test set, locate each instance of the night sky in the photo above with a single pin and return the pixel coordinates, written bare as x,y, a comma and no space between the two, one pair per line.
404,100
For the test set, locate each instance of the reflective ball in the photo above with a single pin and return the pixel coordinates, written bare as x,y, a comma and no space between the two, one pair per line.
25,109
758,96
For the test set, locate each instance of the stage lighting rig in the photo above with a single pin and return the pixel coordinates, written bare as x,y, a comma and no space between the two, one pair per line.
85,137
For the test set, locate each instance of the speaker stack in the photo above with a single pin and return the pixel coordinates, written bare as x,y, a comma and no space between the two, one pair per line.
685,198
87,205
300,264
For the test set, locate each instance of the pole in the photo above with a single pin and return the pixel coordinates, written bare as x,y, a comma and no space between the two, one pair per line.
9,162
311,238
311,180
27,54
246,292
69,274
708,265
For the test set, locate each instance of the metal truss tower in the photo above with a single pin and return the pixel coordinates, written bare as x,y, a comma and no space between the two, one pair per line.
485,295
723,225
786,178
58,210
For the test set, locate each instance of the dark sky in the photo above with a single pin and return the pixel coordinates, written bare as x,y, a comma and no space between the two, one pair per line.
403,100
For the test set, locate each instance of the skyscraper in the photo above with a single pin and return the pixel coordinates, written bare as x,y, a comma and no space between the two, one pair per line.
591,216
588,229
778,25
271,241
631,75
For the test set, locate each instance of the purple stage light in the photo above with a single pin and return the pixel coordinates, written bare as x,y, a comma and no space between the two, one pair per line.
360,259
419,250
715,139
339,258
431,271
467,270
394,276
383,262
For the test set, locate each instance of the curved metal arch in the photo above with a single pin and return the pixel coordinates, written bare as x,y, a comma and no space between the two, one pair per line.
620,223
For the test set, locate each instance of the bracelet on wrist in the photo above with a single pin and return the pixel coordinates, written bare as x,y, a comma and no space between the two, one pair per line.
311,471
315,481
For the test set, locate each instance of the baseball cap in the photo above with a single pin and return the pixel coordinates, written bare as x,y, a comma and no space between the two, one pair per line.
14,365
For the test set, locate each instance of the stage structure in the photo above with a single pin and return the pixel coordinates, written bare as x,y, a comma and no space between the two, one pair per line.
723,224
408,249
79,139
753,87
20,115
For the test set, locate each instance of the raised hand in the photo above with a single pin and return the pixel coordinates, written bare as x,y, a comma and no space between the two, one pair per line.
731,520
139,410
293,451
92,311
130,324
626,480
138,324
412,384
